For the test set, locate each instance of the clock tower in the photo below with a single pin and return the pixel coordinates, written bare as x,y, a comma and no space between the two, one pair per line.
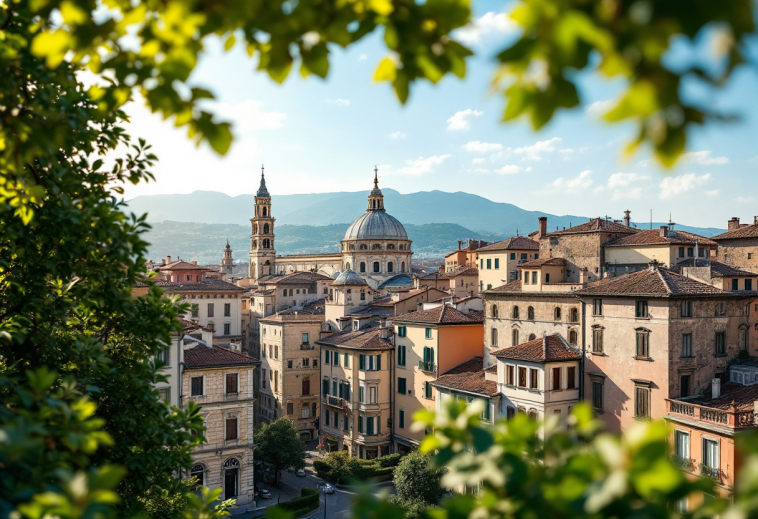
262,253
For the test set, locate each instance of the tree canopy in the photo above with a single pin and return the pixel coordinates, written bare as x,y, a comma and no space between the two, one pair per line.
418,484
279,447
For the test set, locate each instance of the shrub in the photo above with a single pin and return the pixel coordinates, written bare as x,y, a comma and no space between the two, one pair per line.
340,468
390,460
308,500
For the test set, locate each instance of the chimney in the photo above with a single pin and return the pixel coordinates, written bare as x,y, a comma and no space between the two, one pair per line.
628,218
755,220
194,262
460,242
383,329
664,231
543,226
544,344
168,259
733,224
716,388
653,265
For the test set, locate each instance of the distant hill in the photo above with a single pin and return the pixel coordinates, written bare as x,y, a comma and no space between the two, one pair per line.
205,242
469,212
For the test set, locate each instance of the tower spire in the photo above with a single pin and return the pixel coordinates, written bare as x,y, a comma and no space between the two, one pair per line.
376,177
262,191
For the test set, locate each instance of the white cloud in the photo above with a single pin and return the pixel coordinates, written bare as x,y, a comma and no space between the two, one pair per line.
248,116
339,102
489,25
478,160
536,151
362,57
462,120
421,165
703,158
481,147
672,186
478,170
598,108
624,185
573,185
745,199
397,135
510,169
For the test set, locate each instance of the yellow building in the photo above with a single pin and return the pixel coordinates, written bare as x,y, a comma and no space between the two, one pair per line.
498,262
427,344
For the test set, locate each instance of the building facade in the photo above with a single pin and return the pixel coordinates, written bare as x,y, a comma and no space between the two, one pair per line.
498,262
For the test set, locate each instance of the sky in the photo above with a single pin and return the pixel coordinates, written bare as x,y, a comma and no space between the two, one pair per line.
317,135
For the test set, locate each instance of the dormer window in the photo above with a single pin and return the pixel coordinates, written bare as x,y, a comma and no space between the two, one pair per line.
356,325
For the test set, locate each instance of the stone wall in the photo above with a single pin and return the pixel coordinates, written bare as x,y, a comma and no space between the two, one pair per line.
742,253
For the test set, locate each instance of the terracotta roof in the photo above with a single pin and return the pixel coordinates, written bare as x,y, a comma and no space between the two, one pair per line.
192,325
653,237
468,377
543,262
491,369
515,243
551,348
362,339
747,231
652,283
443,314
411,294
596,225
181,265
718,270
508,288
202,356
477,315
207,285
297,278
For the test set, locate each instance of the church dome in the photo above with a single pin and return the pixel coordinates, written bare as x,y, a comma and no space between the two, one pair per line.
349,278
376,225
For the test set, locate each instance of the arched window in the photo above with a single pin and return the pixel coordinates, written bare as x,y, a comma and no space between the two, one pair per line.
266,243
557,313
198,472
494,337
352,246
390,266
390,247
533,414
574,315
376,266
363,246
347,266
255,244
255,228
402,267
232,463
266,228
290,408
265,212
515,312
376,246
401,247
572,337
532,337
494,310
530,313
514,337
363,266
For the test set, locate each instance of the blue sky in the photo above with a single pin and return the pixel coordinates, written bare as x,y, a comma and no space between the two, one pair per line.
317,136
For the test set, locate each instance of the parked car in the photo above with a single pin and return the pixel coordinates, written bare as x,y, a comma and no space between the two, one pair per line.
264,494
328,489
300,473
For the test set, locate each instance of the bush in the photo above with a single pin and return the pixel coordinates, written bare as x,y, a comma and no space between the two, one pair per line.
340,468
308,500
390,460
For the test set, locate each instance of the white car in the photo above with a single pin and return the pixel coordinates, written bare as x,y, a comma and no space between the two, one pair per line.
300,473
264,494
328,489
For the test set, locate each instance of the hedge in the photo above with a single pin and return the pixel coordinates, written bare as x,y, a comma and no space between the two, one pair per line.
308,500
340,468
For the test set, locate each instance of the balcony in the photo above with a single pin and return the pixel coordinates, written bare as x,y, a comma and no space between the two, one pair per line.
307,346
734,419
427,367
335,401
683,463
710,472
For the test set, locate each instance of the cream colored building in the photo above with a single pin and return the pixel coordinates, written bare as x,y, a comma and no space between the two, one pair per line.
290,370
470,382
498,262
428,343
222,382
356,390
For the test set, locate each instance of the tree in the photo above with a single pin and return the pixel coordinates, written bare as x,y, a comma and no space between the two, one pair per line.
417,483
278,446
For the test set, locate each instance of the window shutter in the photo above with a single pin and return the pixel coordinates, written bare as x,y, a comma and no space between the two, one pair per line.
378,362
231,428
361,362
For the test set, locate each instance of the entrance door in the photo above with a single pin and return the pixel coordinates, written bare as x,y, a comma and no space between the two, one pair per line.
230,483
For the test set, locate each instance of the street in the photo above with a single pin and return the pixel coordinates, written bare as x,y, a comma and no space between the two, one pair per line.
337,504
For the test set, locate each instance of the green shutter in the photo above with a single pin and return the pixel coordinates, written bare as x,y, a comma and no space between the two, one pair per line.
378,362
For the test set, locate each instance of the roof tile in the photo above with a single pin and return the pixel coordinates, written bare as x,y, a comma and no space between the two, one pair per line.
469,377
653,237
658,282
515,243
551,348
202,356
443,314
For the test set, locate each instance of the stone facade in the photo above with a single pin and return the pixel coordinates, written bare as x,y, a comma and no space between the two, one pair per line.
741,253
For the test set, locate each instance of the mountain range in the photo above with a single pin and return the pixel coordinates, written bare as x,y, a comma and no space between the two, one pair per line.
435,220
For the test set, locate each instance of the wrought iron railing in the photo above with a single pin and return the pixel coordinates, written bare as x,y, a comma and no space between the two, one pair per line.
427,366
682,462
710,472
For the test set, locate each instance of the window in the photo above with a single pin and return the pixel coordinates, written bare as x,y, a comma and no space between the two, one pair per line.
557,313
290,408
401,331
401,419
641,402
684,386
401,386
720,309
515,312
210,310
573,337
682,444
510,412
643,344
686,308
227,309
164,356
306,362
686,345
428,390
735,284
748,284
640,309
360,423
390,266
557,379
231,384
710,453
428,333
513,256
227,329
361,391
597,307
346,360
533,381
597,340
231,428
494,311
336,420
681,252
489,264
522,377
530,313
164,393
197,386
510,375
195,310
327,417
198,473
345,422
571,377
306,338
401,355
362,267
574,315
497,263
720,343
369,425
363,295
493,335
336,359
376,266
326,356
597,395
535,274
514,337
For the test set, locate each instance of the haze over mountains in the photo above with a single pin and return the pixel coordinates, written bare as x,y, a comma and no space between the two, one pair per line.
435,220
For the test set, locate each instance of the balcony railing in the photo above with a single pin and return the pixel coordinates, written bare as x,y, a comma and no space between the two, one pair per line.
335,401
710,472
730,419
427,366
683,463
306,346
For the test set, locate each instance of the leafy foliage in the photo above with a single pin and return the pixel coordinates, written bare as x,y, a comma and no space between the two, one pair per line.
309,500
418,484
343,469
278,446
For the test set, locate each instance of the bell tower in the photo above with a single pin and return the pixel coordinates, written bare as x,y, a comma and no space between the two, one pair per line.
227,262
376,198
262,253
